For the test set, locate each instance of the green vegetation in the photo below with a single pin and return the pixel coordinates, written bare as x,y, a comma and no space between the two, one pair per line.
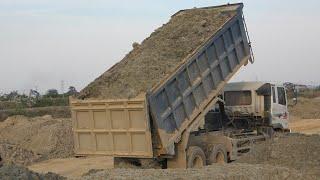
34,104
14,100
309,93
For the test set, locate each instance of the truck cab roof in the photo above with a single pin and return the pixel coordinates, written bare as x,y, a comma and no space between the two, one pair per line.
254,85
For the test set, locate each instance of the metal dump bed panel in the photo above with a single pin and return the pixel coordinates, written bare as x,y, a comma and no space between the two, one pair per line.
117,128
177,102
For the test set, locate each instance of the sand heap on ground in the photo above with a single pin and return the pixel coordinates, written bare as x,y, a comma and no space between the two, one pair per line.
160,54
297,151
25,140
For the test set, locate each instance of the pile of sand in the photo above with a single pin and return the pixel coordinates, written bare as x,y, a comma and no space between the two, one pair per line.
297,151
13,153
160,54
226,172
38,138
11,171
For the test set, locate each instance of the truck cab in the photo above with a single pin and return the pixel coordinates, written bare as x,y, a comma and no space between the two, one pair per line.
260,103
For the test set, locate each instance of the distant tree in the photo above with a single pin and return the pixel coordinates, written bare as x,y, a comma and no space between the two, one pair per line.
12,96
2,98
52,93
72,91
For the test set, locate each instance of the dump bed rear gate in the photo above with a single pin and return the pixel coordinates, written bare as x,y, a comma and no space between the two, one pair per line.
118,128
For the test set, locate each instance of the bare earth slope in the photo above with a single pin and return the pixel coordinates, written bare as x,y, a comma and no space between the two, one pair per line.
158,55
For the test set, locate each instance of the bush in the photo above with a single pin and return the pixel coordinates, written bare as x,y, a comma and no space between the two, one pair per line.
44,102
310,93
56,112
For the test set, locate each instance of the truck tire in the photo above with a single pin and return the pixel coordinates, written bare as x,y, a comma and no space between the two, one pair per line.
218,154
195,157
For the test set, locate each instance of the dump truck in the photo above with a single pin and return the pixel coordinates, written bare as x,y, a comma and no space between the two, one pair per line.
153,103
253,104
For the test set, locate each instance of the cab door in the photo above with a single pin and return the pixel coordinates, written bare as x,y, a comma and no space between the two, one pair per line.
280,114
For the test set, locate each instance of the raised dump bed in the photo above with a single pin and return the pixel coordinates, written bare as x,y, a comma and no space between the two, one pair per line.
141,106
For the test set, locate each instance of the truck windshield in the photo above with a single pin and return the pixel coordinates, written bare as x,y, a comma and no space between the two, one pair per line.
237,98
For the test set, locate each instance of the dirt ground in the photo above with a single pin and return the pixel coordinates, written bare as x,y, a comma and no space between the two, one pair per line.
306,108
290,156
232,171
14,172
295,151
158,55
305,126
26,140
72,167
305,116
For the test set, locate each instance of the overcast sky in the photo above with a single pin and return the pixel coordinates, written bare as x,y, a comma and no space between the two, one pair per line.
44,42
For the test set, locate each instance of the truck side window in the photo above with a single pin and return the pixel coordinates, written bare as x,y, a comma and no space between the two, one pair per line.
281,96
274,95
237,98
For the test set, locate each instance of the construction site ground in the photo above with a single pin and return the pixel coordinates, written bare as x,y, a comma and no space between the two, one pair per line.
45,144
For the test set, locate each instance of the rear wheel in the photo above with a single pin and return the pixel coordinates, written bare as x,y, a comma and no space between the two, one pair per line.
195,157
218,154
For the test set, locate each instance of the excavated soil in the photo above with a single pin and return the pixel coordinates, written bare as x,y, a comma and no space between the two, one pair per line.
297,151
226,172
13,153
12,172
158,55
26,140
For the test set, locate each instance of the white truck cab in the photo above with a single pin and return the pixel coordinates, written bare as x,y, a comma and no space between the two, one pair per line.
262,102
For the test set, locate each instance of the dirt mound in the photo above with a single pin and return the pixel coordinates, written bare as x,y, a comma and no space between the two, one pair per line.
13,153
297,151
160,54
227,172
39,138
11,171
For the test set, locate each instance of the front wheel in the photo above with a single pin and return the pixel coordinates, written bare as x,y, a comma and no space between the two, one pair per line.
195,157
